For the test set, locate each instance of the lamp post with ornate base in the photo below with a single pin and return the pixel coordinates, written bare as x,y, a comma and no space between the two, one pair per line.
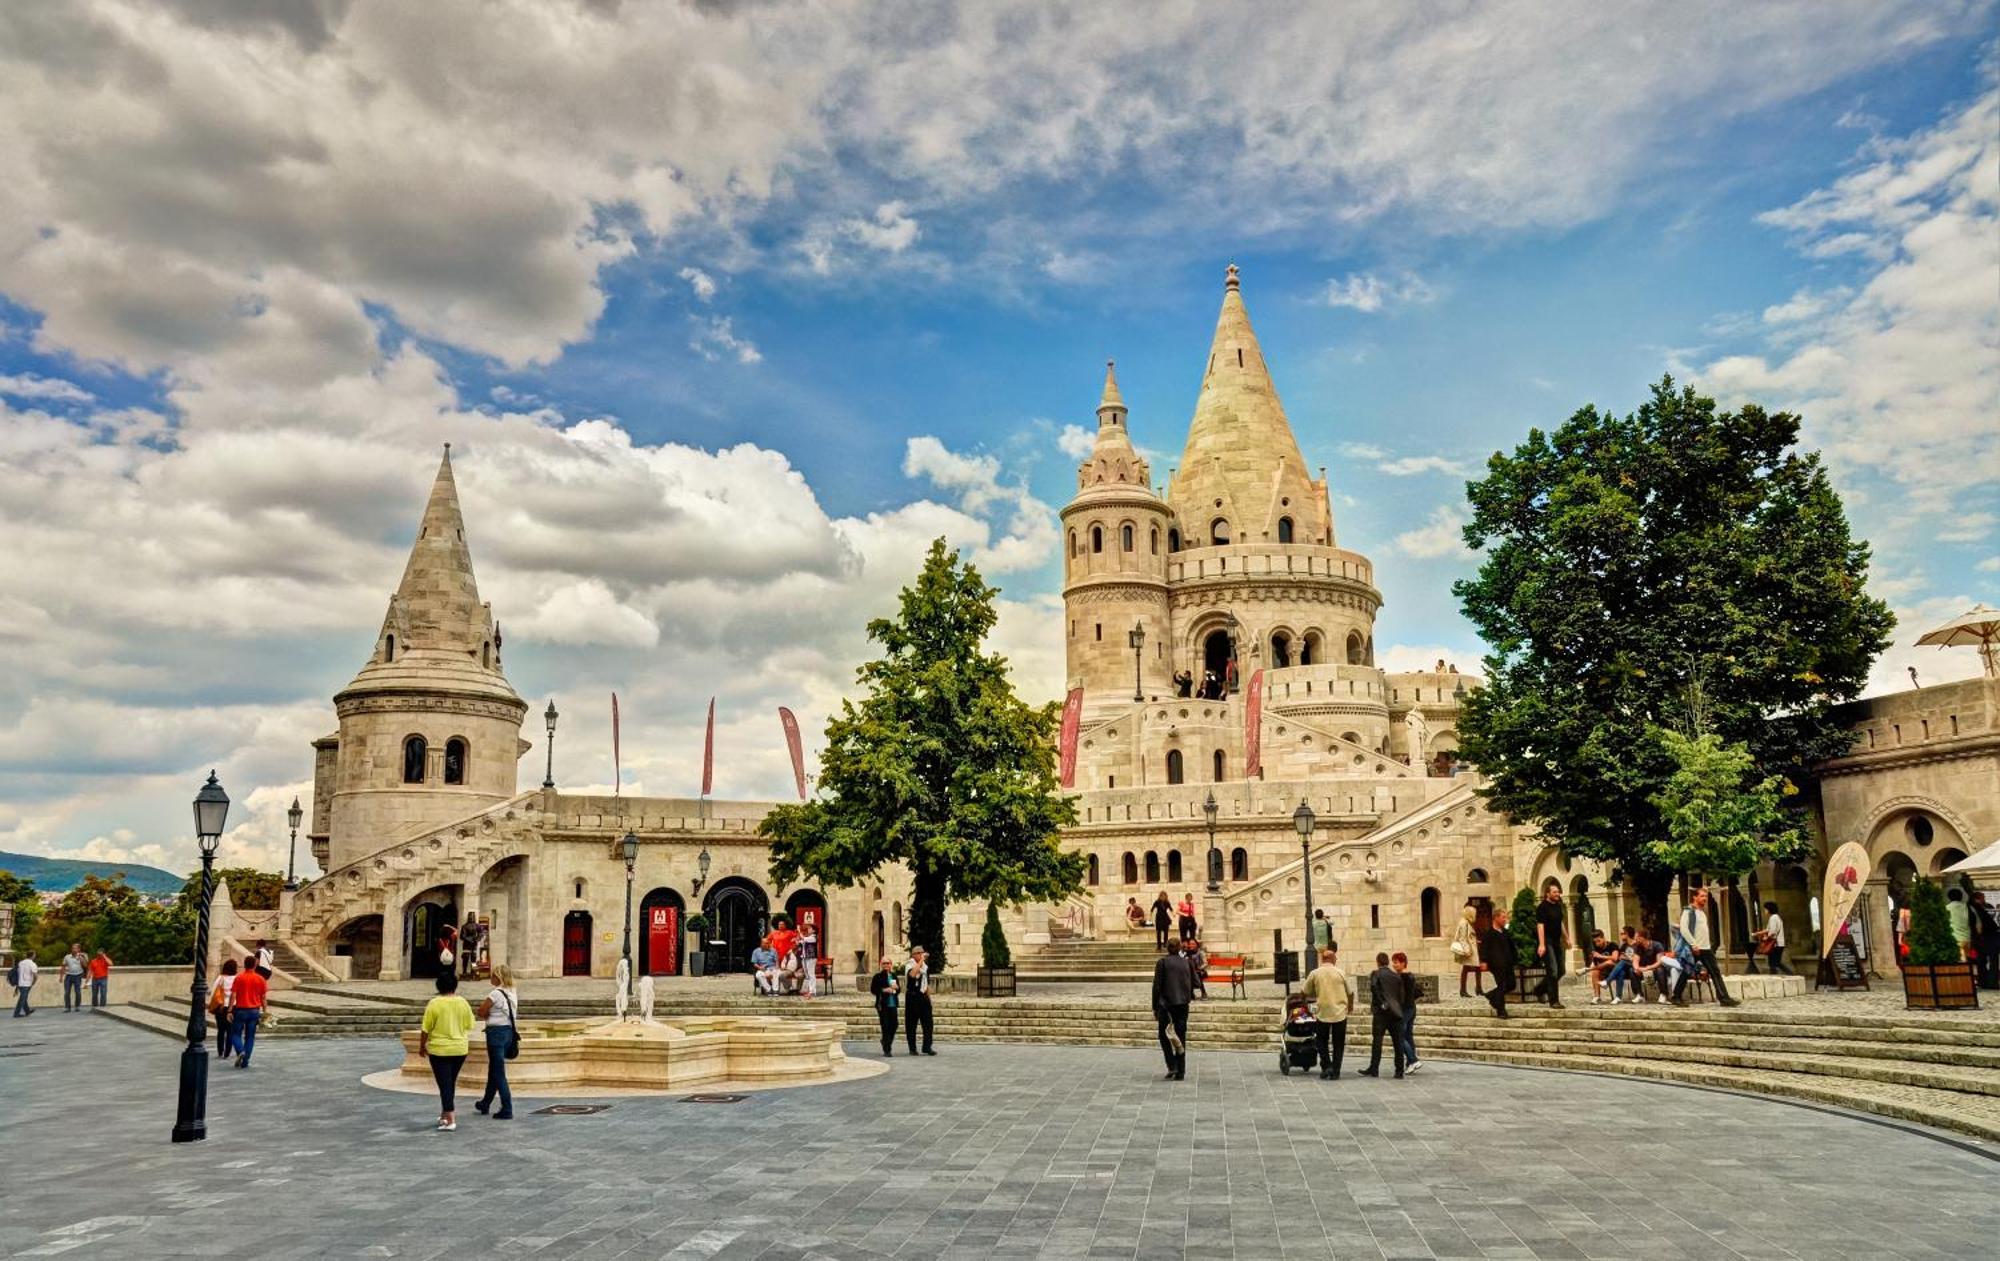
1136,637
1209,810
549,719
1303,819
211,807
630,847
293,816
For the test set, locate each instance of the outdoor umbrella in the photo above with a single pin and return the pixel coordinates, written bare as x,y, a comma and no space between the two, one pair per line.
1978,629
1985,863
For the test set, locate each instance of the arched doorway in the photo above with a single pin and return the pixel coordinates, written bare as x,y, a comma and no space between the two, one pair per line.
361,941
738,914
1281,650
1585,914
1215,658
808,906
576,943
430,919
1899,872
661,914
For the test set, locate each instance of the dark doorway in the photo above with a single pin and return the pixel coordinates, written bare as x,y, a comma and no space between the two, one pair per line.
429,921
661,914
808,907
576,943
1215,655
738,915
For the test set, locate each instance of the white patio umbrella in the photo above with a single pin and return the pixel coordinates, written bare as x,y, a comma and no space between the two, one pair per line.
1979,629
1985,863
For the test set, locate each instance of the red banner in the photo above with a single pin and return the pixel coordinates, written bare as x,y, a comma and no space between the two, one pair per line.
1253,728
663,940
1072,724
708,753
791,726
617,772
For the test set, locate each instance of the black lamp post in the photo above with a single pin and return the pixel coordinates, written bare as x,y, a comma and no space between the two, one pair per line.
292,816
1235,682
549,719
1303,819
1136,637
211,807
1209,810
630,845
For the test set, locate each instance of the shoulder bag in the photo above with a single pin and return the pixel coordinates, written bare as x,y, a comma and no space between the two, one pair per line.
513,1028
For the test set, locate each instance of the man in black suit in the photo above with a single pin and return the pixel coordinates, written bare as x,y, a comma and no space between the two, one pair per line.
1173,992
884,987
1385,1003
917,1000
1496,951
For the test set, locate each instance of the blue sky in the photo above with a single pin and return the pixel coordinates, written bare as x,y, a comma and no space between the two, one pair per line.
728,312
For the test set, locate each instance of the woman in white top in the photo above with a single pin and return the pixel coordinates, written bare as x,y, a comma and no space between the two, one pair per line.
223,1009
501,1010
1465,949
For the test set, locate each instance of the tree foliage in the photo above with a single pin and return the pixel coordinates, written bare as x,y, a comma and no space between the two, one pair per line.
1521,925
27,904
993,949
939,766
1682,568
1930,938
1720,817
249,888
107,914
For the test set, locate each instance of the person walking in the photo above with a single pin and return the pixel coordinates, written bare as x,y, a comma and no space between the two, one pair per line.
100,979
222,1006
883,987
807,950
1695,928
1496,955
1774,933
468,946
1400,963
445,1039
1385,1008
1189,929
22,976
246,998
1173,993
1163,920
501,1010
1465,949
1986,939
75,966
1551,944
264,957
1322,931
917,992
1332,997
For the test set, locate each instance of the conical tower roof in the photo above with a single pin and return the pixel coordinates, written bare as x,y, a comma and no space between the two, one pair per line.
439,595
1242,465
1113,461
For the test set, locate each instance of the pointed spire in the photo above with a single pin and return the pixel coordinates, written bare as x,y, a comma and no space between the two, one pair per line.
1112,400
438,595
1113,461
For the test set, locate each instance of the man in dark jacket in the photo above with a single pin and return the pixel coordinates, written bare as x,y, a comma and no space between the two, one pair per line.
1496,951
1385,1003
1173,991
883,986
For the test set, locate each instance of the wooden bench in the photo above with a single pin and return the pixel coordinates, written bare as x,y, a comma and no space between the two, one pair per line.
1227,970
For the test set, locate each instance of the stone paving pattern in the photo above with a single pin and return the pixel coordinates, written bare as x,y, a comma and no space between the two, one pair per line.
984,1151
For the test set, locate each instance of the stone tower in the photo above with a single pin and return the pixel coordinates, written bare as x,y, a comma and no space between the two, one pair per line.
430,729
1116,538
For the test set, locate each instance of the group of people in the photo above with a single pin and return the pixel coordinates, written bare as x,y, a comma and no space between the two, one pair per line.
77,967
904,993
237,1000
445,1039
462,949
1213,686
786,961
1164,915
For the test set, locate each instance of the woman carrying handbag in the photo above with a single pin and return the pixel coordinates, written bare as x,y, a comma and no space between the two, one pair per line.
1465,950
500,1009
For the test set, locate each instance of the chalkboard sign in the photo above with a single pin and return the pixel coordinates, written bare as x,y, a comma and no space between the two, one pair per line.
1842,967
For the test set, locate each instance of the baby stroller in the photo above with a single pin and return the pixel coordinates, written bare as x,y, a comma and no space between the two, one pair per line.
1297,1045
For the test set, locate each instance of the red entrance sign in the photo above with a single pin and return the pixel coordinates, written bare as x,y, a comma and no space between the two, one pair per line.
663,940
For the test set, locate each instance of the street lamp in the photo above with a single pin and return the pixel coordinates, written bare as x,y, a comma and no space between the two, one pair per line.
701,862
211,807
1137,638
1235,680
293,816
1209,810
549,719
1303,820
630,846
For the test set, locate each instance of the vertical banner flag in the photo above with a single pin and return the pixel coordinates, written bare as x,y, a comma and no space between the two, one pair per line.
1072,724
791,726
708,753
1253,728
617,769
1846,873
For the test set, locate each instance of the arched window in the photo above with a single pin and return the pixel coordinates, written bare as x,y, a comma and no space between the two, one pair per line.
486,653
1918,828
1284,529
1173,538
1239,863
1125,537
454,760
389,649
1368,652
1218,531
1356,648
1173,766
1427,912
1476,876
1174,865
1152,867
1096,538
1281,650
1156,540
1310,652
1130,868
1075,548
1091,876
1219,764
415,753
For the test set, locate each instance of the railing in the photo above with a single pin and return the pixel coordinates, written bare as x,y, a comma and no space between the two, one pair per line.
1077,917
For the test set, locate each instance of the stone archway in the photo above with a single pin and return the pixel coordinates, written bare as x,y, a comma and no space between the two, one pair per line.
430,916
662,918
739,914
359,940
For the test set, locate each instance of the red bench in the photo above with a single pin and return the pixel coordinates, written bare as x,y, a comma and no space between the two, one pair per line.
1227,970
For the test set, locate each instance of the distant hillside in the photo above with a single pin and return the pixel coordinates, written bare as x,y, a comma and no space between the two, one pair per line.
60,875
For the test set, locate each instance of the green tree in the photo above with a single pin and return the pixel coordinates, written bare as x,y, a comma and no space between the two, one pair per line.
1720,817
1930,938
939,766
81,915
27,904
993,950
144,934
249,888
1682,567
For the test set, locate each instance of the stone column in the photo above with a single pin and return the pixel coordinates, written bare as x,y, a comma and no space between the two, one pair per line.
395,947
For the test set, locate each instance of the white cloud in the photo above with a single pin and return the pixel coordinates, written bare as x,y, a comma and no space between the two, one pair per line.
1076,442
700,281
1806,304
890,230
1029,533
1991,565
1363,451
1368,292
1441,536
50,389
1417,658
715,336
1412,465
1933,665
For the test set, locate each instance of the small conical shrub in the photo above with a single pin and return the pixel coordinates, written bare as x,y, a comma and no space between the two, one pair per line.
1930,937
1521,927
993,952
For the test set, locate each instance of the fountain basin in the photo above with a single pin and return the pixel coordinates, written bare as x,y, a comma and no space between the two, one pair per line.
671,1054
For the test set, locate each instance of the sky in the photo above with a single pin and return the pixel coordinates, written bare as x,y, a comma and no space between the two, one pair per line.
729,308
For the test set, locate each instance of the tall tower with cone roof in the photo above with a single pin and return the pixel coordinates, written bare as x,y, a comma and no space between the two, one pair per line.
430,729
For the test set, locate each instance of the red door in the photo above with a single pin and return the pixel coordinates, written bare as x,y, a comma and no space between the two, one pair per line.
576,944
663,940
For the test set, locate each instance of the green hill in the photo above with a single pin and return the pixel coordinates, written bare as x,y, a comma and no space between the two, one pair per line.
60,875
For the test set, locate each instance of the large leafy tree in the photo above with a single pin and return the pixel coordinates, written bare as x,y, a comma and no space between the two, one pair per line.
249,888
1681,569
20,894
939,766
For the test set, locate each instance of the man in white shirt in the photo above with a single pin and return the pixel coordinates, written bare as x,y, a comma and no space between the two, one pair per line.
917,1001
23,976
74,965
1774,932
1694,926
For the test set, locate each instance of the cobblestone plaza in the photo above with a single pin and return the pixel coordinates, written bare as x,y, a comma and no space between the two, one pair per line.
985,1151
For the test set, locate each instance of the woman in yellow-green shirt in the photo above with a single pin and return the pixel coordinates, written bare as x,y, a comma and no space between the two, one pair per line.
447,1023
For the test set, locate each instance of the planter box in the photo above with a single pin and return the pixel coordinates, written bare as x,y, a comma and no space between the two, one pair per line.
996,982
1940,986
695,963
